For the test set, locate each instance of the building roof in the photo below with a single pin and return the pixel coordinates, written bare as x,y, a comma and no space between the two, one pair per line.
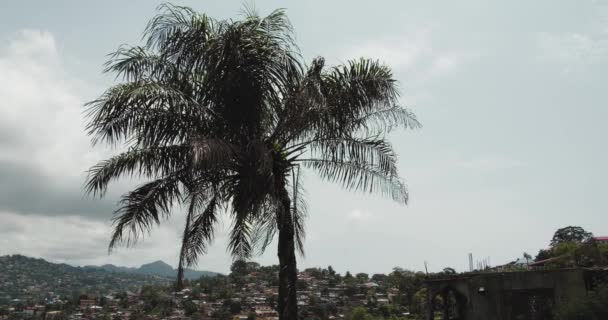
604,238
370,284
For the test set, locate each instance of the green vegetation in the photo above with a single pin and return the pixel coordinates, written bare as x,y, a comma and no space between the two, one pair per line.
570,234
574,247
593,306
30,280
219,114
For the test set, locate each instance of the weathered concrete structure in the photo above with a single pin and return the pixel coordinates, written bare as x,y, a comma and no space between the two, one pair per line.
524,295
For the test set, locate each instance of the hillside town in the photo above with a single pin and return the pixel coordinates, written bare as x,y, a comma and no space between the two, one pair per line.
249,292
576,262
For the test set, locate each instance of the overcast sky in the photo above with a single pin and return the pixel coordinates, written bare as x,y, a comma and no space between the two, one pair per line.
512,96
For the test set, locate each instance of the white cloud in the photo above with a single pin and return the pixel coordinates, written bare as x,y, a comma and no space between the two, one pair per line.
41,108
489,162
572,50
415,53
360,216
445,64
400,52
76,240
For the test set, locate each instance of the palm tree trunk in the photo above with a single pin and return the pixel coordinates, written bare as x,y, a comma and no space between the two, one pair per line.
287,304
182,253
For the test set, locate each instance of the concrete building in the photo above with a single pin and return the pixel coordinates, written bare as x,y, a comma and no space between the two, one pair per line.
521,295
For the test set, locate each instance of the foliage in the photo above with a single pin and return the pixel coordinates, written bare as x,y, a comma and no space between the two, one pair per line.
189,307
18,273
569,254
359,313
543,254
570,234
362,277
239,268
449,271
156,301
593,306
573,246
224,115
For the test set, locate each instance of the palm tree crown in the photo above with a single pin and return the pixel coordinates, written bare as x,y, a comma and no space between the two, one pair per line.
222,115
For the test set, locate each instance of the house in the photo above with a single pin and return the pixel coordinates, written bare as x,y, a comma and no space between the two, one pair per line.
265,312
603,239
84,303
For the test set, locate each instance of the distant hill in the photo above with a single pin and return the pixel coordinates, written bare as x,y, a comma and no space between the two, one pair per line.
24,277
157,268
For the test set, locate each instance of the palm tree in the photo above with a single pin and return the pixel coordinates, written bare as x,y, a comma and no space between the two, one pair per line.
223,115
193,98
332,121
527,256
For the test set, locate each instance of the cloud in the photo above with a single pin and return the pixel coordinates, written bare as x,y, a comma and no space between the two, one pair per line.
400,52
77,240
489,162
359,215
415,53
44,151
572,50
44,155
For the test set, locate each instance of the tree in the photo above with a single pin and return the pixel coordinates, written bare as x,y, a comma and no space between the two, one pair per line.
570,234
239,268
331,271
235,307
543,254
449,270
593,305
362,277
224,114
190,307
359,313
528,257
379,277
189,113
588,254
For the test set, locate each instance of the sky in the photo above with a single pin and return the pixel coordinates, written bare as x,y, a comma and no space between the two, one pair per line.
510,95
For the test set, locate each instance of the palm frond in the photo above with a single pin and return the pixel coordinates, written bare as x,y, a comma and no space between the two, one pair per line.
137,63
209,152
352,91
299,210
387,119
143,207
174,24
200,233
373,151
240,238
146,111
252,61
359,177
301,105
146,163
265,226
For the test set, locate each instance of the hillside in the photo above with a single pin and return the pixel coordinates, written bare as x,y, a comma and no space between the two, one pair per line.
22,277
157,268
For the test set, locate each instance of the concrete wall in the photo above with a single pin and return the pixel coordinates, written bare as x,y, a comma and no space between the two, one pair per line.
502,290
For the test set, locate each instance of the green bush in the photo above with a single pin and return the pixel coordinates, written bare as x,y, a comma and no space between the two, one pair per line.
593,306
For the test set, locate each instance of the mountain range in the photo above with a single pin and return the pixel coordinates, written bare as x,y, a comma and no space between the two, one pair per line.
26,278
156,268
